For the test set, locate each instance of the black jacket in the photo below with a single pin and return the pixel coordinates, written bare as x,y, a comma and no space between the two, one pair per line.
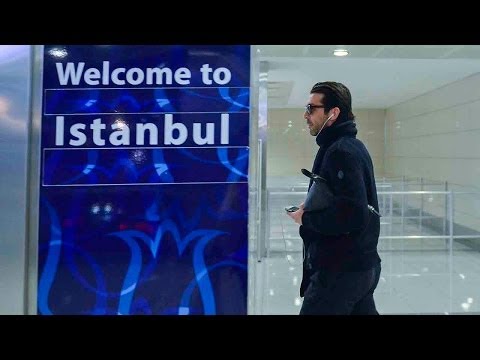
344,236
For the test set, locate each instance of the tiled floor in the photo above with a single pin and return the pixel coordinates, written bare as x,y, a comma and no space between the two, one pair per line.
419,276
412,282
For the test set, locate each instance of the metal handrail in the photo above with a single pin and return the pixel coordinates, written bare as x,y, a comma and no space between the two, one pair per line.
449,211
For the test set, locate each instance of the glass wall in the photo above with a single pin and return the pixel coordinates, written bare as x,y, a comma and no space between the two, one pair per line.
416,109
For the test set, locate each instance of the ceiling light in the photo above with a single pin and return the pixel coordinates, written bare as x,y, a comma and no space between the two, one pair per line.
340,52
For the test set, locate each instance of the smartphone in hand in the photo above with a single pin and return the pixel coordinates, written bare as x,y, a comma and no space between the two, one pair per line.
291,208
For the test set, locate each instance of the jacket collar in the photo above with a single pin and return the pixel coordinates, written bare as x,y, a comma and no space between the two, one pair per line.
332,133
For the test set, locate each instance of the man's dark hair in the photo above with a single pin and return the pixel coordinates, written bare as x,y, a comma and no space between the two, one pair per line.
335,95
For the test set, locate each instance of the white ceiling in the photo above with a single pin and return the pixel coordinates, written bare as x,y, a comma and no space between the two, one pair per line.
378,76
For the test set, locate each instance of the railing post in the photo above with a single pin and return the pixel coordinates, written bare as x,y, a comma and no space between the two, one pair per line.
450,219
391,213
268,217
450,249
403,206
445,215
420,221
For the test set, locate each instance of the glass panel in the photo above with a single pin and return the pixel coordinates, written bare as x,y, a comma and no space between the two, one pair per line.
423,137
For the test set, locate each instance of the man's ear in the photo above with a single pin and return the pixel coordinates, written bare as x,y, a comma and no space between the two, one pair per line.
336,113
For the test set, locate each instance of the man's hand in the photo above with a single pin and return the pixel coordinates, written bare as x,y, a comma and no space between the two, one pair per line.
297,215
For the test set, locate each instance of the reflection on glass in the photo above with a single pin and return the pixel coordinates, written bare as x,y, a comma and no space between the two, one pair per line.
57,52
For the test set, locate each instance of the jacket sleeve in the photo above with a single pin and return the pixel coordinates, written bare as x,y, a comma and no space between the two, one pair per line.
348,210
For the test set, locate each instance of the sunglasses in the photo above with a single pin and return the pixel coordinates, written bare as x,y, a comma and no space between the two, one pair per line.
309,108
